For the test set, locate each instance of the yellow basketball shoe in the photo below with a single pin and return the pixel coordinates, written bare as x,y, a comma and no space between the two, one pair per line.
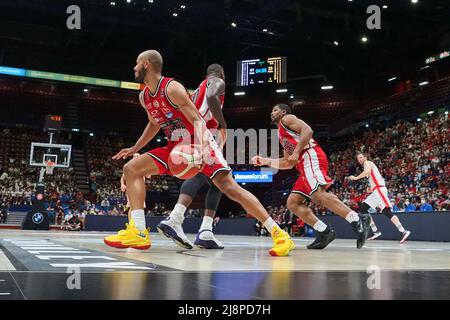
115,240
137,239
130,237
283,243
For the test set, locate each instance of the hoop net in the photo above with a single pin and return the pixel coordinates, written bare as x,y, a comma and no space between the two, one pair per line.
49,167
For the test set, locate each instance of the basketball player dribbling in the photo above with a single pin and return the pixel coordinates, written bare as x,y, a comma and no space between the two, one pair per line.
208,98
169,107
378,198
303,152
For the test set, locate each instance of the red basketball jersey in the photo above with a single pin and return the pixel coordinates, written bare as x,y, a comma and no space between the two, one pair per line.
173,122
289,139
200,101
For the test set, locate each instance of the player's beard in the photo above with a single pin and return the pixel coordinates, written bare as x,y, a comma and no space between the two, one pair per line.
273,121
141,76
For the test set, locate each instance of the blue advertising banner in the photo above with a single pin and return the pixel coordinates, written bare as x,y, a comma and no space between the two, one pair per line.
253,176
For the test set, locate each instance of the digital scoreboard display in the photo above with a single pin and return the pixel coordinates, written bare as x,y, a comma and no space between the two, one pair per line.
52,123
261,71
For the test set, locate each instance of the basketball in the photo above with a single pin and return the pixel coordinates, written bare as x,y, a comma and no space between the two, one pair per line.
184,161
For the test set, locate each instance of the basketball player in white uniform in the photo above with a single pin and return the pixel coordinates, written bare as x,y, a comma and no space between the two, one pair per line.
378,197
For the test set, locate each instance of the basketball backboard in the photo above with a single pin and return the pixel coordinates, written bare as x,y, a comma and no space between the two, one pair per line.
41,153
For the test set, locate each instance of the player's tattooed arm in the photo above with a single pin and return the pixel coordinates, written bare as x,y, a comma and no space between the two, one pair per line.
280,163
147,135
301,127
216,87
178,95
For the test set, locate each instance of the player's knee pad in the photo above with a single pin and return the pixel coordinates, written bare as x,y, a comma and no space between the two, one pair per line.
191,186
213,198
387,212
364,208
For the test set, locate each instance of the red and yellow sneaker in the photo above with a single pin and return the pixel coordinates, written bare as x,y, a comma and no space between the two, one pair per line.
131,237
283,243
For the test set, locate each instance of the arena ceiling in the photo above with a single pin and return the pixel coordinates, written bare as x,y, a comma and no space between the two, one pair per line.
33,34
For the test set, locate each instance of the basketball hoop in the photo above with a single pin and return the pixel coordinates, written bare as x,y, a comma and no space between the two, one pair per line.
49,167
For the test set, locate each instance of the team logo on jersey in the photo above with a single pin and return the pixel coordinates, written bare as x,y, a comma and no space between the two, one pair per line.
156,104
154,112
169,115
167,112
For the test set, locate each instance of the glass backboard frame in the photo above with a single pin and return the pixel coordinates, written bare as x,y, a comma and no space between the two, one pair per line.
43,161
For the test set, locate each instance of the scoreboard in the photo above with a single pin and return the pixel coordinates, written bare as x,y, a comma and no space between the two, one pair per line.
52,123
261,71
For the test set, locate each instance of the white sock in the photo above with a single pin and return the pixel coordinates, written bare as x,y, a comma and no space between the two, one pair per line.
207,223
139,219
400,228
373,227
178,212
270,224
352,217
320,226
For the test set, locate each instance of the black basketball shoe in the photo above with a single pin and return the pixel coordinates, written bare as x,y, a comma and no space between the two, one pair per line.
323,239
361,227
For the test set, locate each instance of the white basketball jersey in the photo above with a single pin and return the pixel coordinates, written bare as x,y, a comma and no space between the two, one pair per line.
375,178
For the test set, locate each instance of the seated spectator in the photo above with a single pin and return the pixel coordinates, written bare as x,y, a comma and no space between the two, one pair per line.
425,206
59,218
394,207
410,207
73,224
3,213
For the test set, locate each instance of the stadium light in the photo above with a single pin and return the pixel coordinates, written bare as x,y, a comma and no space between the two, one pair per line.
174,14
233,24
183,6
239,93
364,39
264,30
128,1
424,83
91,134
414,1
367,125
418,119
85,90
430,112
446,112
392,79
158,140
75,130
425,67
336,43
112,3
282,90
284,193
385,7
291,96
326,87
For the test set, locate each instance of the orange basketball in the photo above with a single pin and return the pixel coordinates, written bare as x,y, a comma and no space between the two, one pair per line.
185,161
